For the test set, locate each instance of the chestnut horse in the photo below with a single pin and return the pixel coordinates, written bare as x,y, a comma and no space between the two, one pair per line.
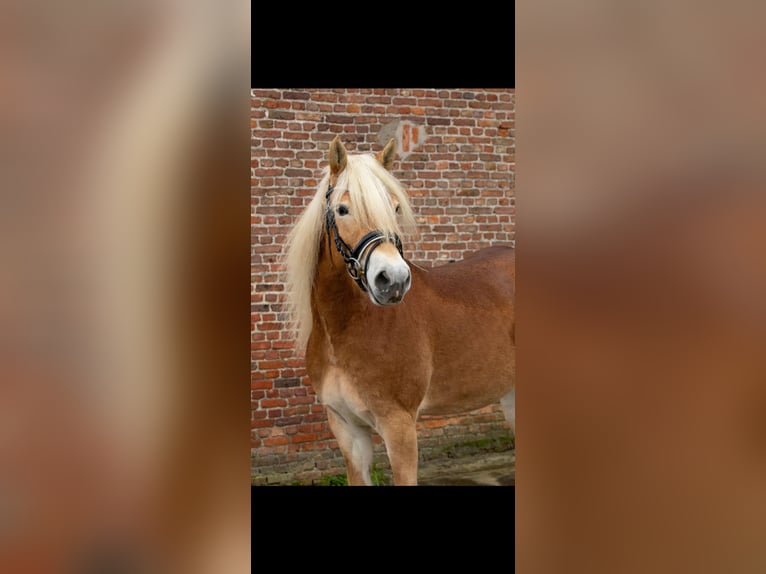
387,340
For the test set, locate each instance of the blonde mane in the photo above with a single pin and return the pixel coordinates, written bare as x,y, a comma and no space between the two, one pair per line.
369,185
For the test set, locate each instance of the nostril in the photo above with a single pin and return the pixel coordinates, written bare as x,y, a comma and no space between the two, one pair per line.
382,281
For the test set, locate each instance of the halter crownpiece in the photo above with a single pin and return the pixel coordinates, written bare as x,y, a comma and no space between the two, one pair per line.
357,259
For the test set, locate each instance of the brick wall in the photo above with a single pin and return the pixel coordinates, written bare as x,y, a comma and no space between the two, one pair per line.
457,162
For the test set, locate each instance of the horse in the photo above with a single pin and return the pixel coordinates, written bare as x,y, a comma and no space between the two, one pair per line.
386,340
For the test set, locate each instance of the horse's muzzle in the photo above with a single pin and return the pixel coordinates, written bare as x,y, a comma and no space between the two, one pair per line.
390,284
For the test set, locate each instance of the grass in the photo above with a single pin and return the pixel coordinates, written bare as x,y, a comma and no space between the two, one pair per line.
493,444
378,477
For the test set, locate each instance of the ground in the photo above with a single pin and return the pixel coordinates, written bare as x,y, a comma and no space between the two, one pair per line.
461,468
486,469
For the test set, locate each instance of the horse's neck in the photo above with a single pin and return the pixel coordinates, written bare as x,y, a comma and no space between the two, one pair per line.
334,298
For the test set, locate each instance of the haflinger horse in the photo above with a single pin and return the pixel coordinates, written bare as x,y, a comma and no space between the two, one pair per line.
387,340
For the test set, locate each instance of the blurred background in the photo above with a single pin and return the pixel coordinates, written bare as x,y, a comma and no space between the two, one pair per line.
641,401
124,409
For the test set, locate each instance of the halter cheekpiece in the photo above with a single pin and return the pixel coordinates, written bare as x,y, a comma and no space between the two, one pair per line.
357,259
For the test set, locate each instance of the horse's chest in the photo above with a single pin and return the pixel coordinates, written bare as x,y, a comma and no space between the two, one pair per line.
338,391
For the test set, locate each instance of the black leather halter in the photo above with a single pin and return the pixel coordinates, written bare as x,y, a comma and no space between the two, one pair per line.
357,259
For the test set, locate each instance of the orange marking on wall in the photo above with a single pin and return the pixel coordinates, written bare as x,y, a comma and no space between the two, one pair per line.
405,138
409,137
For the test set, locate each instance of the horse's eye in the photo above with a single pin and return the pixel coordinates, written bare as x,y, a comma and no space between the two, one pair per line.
398,209
342,210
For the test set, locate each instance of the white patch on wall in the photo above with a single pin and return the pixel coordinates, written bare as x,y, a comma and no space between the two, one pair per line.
409,137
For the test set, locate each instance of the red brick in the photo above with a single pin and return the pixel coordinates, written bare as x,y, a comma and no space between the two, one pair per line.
264,365
304,437
276,441
266,403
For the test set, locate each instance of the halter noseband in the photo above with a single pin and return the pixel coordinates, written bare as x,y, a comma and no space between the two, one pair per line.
357,259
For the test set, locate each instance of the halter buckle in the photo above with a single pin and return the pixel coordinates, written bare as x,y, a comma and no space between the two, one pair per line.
354,268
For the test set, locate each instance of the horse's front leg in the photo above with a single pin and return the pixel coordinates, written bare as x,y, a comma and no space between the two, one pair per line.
400,435
355,444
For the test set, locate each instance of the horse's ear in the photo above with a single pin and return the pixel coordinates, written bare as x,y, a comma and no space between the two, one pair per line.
337,156
386,157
